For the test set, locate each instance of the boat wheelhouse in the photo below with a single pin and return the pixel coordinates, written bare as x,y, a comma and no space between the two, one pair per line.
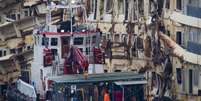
53,47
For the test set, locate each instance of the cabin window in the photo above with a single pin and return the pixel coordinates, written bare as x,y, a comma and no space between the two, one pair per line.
116,37
88,40
4,52
78,41
54,41
12,51
94,39
28,47
18,16
168,4
1,54
19,50
121,6
87,50
13,16
26,12
45,41
179,5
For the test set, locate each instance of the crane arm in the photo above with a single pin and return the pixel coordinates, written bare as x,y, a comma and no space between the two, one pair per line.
75,62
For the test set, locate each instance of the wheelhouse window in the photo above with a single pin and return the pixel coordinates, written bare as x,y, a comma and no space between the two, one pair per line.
87,50
54,41
45,41
94,39
88,40
78,41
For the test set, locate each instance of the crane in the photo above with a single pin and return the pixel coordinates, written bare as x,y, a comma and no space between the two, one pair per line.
75,62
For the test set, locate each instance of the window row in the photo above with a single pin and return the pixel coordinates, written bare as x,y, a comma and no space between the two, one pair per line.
76,41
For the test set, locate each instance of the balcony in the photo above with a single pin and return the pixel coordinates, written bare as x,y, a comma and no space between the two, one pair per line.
185,19
193,11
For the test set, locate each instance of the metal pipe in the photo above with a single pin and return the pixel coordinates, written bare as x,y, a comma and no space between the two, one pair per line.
123,92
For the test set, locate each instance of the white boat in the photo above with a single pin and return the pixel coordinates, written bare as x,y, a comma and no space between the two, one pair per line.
52,47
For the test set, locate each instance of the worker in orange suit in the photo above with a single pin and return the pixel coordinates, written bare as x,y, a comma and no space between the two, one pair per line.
106,95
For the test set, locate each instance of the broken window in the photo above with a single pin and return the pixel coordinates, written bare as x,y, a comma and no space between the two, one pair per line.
179,37
12,51
12,16
167,4
179,4
87,50
26,12
190,81
183,80
141,7
101,9
178,71
1,54
116,37
4,52
108,6
19,50
126,10
95,10
196,76
121,6
94,39
78,41
91,5
18,17
54,41
54,53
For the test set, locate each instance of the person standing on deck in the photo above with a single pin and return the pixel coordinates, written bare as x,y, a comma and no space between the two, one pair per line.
106,95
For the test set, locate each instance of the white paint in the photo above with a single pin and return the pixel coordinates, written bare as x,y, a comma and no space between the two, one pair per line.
186,20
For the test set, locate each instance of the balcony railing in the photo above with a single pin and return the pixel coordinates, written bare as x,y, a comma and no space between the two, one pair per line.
194,47
193,11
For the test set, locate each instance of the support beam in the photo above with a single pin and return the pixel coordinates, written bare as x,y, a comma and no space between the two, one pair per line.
17,30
